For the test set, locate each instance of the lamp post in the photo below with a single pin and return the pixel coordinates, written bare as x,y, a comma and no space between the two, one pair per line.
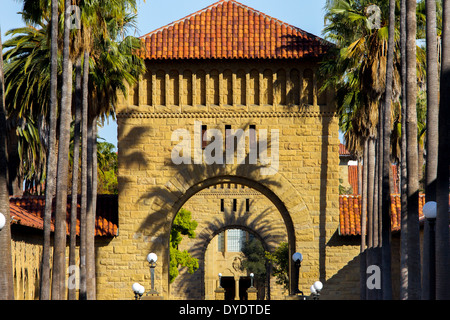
252,275
429,211
298,258
220,280
138,290
315,289
152,258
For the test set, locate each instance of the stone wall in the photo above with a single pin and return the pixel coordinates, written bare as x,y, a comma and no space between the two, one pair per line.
272,95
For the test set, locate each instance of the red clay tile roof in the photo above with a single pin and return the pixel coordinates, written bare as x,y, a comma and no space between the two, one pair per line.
353,178
343,150
29,211
228,29
350,213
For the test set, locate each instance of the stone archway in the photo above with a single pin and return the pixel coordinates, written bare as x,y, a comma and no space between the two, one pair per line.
183,186
219,210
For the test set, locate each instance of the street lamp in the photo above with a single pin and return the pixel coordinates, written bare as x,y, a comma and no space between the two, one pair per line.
315,289
152,258
2,221
252,275
138,290
220,280
298,258
429,211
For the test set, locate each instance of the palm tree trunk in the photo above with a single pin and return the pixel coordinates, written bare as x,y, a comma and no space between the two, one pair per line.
94,206
44,293
442,219
363,252
59,254
386,192
370,257
76,157
90,213
414,278
432,133
84,181
6,270
404,226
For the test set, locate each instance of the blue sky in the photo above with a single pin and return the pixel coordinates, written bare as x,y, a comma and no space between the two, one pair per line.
305,14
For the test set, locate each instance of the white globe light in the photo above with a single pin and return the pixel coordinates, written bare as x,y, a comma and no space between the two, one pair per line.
429,210
313,290
318,285
220,274
297,257
152,257
136,287
2,221
141,290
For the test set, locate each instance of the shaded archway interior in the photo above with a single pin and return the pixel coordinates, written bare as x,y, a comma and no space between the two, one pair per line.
265,191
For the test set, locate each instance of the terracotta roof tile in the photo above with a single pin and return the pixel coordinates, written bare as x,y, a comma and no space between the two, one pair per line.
350,213
228,29
29,211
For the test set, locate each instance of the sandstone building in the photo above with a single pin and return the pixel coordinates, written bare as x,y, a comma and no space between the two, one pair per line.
227,66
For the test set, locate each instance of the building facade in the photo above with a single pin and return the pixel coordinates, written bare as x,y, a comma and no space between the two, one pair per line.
231,97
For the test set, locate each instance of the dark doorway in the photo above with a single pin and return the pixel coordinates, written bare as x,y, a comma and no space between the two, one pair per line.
229,285
244,284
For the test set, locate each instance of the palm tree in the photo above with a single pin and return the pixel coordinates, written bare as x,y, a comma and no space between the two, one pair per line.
59,251
51,154
442,186
27,53
6,272
83,214
111,56
386,161
432,132
46,96
404,198
359,73
114,63
76,160
414,275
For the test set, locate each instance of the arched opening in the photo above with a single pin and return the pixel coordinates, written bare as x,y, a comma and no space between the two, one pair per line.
238,254
229,203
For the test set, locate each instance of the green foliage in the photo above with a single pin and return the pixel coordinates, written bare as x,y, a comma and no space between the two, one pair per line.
343,189
183,225
114,65
280,261
107,168
255,258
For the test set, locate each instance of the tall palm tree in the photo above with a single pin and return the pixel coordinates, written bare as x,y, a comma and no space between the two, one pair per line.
27,53
359,73
414,275
76,161
33,13
59,251
51,154
112,55
83,214
432,132
442,186
386,160
114,63
6,272
404,198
